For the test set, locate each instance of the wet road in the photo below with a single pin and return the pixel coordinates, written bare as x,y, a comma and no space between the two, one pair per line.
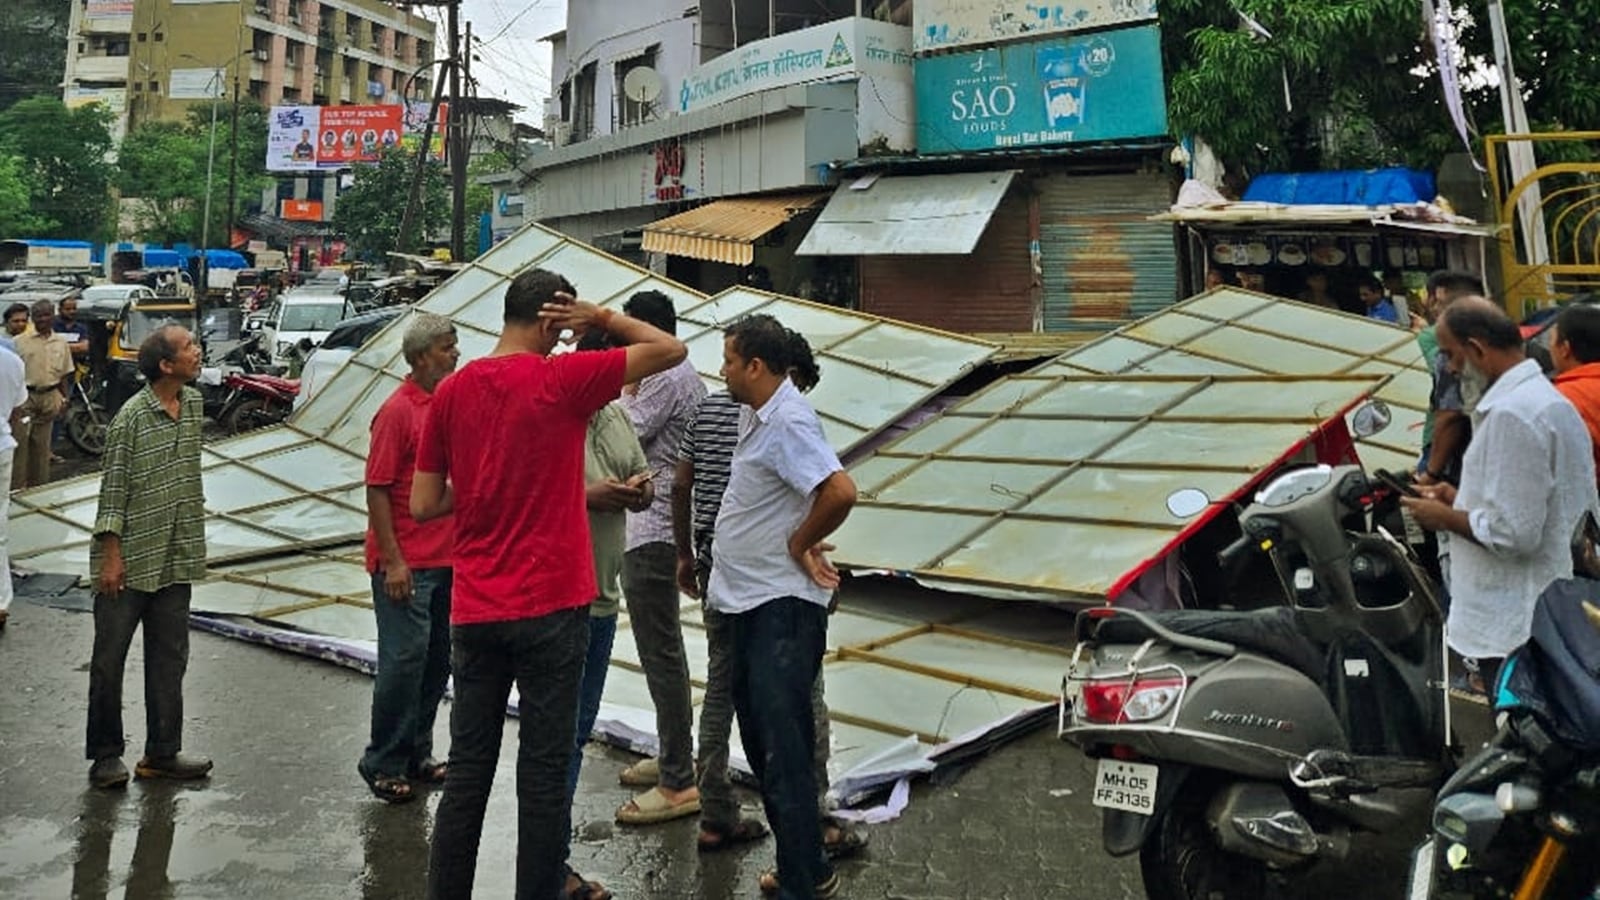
285,814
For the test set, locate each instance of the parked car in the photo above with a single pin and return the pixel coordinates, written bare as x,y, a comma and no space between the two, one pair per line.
112,297
341,344
302,314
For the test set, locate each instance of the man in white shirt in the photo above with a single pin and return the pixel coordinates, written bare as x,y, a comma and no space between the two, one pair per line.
772,579
13,394
1526,480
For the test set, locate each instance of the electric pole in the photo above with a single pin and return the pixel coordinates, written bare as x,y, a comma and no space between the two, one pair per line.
455,142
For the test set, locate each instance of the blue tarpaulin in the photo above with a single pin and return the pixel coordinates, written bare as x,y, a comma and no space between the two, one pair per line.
52,242
225,259
162,259
1373,187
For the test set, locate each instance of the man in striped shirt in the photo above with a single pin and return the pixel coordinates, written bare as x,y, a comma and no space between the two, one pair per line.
150,545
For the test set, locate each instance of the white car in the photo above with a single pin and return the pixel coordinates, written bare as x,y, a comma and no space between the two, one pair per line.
341,344
302,315
110,298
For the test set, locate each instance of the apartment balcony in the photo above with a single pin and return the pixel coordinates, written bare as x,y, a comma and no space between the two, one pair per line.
258,70
113,25
101,68
345,91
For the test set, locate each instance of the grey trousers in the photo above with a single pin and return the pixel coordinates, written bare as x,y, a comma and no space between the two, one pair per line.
719,808
165,616
650,588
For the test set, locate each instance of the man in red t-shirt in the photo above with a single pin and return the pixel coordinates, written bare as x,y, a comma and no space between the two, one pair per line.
508,433
410,566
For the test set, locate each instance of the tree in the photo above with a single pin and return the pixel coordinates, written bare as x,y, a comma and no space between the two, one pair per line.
480,197
1350,69
250,176
64,155
1362,78
16,218
162,171
368,213
33,48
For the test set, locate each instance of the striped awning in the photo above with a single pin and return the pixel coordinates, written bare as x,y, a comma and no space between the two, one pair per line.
726,230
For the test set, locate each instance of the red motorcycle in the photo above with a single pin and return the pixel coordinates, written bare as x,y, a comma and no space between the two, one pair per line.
256,400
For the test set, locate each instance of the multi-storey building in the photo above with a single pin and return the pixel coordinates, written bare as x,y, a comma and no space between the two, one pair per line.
974,165
156,59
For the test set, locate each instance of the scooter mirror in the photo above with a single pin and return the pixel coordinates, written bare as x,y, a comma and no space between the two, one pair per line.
1370,418
1186,502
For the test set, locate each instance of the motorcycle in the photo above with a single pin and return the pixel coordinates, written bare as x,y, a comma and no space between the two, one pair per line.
1521,817
86,417
256,400
1236,749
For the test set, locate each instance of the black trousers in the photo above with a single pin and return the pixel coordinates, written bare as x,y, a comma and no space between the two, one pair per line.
165,616
544,657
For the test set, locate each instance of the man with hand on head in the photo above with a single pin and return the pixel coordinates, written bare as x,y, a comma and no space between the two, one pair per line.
503,448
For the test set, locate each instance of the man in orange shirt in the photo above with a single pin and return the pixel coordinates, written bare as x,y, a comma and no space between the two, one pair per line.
1575,350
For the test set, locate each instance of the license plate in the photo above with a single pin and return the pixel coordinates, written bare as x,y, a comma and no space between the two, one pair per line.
1422,872
1128,786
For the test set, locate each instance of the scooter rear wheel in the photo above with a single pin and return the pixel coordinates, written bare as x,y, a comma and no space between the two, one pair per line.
1180,859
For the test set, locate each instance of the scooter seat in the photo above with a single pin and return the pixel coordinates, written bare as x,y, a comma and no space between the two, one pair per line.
1273,633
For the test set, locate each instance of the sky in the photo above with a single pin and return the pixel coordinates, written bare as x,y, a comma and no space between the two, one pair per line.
509,62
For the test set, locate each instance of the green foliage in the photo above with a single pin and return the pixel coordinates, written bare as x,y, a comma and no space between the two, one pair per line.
162,169
16,218
1348,67
368,213
63,156
480,197
33,48
1362,78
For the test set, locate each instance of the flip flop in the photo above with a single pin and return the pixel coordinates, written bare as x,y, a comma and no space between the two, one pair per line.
827,890
430,771
652,806
644,773
848,843
724,837
582,889
388,788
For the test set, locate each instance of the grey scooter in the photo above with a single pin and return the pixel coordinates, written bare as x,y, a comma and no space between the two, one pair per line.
1237,748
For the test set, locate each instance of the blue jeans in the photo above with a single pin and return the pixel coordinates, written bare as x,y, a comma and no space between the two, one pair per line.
413,666
602,634
544,657
777,652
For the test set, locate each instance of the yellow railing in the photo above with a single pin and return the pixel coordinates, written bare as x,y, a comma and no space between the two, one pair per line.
1569,200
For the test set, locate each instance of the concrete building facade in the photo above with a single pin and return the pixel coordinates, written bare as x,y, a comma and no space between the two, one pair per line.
157,59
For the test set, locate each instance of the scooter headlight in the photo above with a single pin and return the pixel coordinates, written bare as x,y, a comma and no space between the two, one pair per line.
1471,820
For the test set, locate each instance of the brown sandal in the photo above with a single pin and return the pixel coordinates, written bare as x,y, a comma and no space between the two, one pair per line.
827,890
722,837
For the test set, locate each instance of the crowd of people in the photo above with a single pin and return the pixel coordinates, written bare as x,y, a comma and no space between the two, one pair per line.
512,503
1508,466
38,352
517,502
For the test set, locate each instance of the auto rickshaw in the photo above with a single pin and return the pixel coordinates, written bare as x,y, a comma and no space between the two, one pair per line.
113,367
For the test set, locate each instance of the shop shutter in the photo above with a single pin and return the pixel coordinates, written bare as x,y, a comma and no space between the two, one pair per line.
1101,259
988,290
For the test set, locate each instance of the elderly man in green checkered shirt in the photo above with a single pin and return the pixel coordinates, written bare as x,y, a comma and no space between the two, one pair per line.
150,545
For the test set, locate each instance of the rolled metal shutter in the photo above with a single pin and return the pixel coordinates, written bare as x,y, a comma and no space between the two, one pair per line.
988,290
1101,259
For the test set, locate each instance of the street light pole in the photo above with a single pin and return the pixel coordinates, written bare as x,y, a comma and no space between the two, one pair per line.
211,159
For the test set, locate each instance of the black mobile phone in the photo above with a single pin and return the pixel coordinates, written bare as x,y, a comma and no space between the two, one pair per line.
1395,483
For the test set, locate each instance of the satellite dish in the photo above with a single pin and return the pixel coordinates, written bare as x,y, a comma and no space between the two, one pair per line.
642,84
